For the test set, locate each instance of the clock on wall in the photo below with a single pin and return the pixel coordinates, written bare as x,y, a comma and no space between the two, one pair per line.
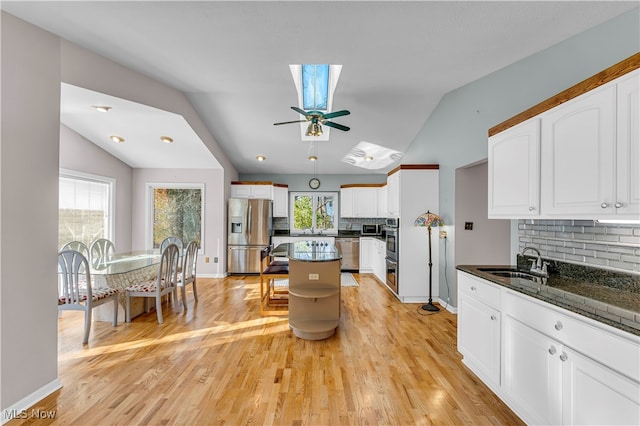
314,183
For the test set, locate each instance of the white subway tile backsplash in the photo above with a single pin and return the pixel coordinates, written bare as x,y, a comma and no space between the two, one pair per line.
611,246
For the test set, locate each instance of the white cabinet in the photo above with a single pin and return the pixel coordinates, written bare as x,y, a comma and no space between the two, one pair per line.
479,327
627,201
280,200
393,195
379,262
560,369
359,201
577,156
382,201
252,190
366,255
514,171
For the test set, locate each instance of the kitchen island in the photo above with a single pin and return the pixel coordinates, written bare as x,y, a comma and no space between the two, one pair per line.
314,287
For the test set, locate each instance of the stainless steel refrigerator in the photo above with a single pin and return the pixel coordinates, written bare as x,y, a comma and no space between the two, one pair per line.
248,231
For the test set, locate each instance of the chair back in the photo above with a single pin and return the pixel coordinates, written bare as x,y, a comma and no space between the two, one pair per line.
189,261
171,240
74,278
168,269
77,246
100,250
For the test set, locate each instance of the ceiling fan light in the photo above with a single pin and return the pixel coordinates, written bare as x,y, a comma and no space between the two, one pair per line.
116,138
314,129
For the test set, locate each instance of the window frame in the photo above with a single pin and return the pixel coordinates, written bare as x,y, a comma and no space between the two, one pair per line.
314,195
151,187
111,196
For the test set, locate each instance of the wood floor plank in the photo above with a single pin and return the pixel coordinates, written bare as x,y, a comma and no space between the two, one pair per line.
221,362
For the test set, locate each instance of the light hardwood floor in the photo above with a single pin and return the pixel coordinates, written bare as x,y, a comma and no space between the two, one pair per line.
220,362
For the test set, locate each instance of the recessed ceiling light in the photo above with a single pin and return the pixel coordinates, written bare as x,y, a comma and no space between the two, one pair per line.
101,108
166,139
313,158
260,157
116,138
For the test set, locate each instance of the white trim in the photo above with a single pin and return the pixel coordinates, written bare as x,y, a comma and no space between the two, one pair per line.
222,275
20,408
149,209
111,182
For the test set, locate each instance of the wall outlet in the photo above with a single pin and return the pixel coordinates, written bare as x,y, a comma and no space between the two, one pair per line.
468,226
443,234
314,277
206,259
215,260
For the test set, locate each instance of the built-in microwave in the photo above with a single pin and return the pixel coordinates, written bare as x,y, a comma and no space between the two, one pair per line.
371,229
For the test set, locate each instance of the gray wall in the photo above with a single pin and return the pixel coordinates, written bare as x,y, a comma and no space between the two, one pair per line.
79,154
455,134
30,123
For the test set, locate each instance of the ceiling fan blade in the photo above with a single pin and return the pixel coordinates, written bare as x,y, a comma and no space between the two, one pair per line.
289,122
337,114
336,126
300,111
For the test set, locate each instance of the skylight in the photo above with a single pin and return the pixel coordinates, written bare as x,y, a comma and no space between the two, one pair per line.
315,87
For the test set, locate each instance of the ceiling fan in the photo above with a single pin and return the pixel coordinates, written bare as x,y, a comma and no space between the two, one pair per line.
317,118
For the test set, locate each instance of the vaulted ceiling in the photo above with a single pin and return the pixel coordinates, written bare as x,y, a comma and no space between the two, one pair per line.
232,60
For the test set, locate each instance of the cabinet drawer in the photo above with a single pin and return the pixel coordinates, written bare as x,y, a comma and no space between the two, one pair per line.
618,350
479,289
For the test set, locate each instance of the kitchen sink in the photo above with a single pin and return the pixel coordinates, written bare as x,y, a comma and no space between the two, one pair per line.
509,273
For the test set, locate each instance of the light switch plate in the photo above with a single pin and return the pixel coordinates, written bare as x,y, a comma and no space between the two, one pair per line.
314,277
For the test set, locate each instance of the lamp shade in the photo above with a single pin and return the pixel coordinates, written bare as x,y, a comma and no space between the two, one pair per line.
428,219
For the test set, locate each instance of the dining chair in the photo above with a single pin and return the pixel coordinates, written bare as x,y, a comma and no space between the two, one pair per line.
99,250
188,273
270,296
171,240
76,295
164,283
77,246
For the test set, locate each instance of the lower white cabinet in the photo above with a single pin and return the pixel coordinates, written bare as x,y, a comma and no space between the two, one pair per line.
549,365
379,262
366,255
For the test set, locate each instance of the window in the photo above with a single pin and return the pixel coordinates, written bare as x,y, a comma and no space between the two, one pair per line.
176,210
315,87
85,207
314,212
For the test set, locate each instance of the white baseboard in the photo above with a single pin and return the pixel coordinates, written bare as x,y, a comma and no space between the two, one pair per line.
447,306
21,410
223,275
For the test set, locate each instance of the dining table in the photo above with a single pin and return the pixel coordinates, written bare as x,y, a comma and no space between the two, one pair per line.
120,270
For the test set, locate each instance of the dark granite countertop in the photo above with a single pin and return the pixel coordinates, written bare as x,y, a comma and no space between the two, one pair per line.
608,297
341,234
308,251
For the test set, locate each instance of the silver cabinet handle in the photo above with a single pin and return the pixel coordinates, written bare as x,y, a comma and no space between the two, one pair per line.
564,356
473,288
604,205
552,350
558,326
618,205
531,208
493,317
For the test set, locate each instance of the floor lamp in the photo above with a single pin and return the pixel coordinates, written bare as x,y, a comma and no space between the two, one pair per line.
429,220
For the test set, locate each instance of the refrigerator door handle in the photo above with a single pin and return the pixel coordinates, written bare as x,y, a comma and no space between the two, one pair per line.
249,219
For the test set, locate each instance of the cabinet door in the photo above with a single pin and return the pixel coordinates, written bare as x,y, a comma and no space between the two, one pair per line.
628,147
380,264
366,255
240,191
479,337
382,202
365,202
393,195
577,156
531,373
514,171
346,202
593,394
262,191
280,201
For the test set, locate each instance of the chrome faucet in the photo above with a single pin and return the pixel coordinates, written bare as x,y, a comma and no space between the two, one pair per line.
537,265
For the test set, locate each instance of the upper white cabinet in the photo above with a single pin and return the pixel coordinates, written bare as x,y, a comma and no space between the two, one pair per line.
580,159
514,171
280,200
359,201
276,192
393,195
578,155
382,201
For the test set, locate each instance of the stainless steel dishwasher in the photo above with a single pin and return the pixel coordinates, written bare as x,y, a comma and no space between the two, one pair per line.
350,249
